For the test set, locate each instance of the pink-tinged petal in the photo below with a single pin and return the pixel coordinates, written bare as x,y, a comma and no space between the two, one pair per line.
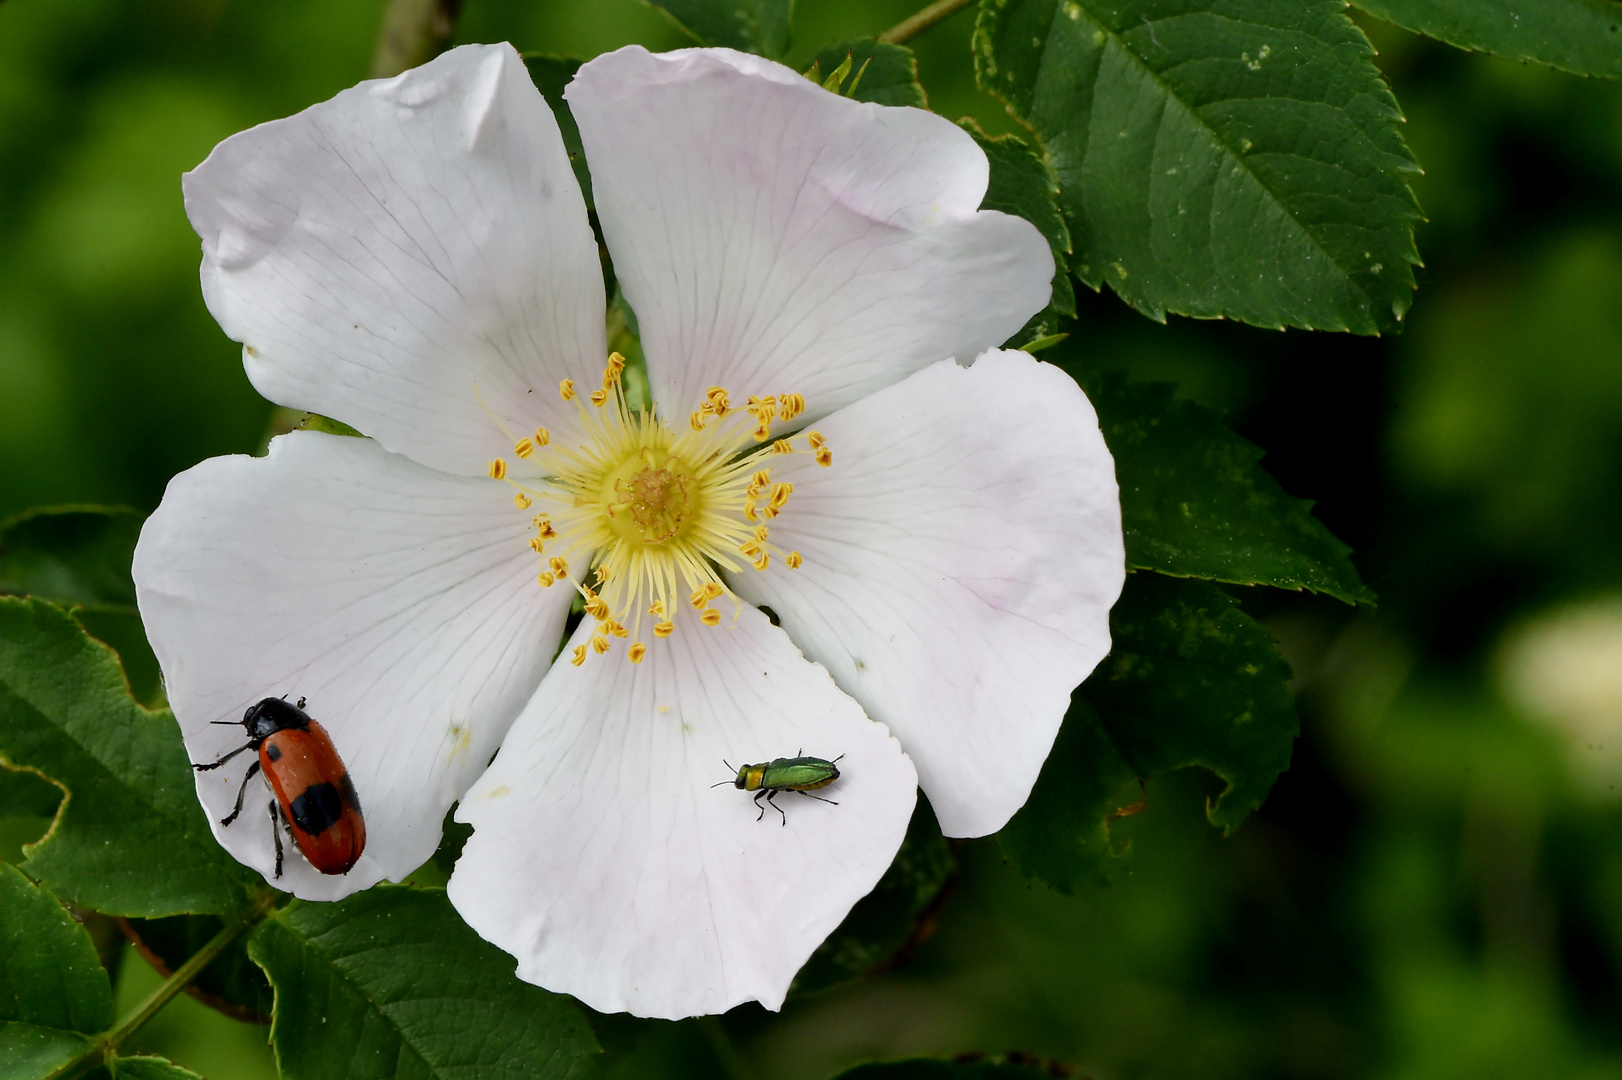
401,602
961,555
774,237
605,861
390,256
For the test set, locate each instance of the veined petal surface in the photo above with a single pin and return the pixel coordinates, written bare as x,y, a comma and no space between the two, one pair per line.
604,860
392,255
775,237
961,555
401,602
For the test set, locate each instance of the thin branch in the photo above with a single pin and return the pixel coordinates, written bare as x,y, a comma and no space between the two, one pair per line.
913,25
413,32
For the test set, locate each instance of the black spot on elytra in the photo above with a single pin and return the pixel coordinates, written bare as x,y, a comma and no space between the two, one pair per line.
318,808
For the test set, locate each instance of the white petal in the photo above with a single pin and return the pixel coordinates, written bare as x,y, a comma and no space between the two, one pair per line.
381,253
606,863
962,553
401,602
774,237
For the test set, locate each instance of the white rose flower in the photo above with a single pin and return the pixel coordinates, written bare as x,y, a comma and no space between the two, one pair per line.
939,538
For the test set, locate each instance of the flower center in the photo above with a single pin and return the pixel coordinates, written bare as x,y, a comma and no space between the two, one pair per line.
656,515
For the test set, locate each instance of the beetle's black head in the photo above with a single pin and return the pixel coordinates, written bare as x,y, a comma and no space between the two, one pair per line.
739,782
272,715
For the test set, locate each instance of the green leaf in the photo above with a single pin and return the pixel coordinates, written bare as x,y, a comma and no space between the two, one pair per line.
1580,36
551,74
1021,184
1017,1067
130,838
757,26
889,72
391,982
1195,502
1190,680
145,1067
53,991
1236,158
231,983
27,794
888,919
73,555
50,975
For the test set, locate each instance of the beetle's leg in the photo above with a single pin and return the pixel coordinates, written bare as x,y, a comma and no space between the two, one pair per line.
275,835
771,800
241,791
221,761
761,794
819,798
301,702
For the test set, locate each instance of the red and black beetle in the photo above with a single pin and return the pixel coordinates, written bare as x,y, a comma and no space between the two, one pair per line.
315,799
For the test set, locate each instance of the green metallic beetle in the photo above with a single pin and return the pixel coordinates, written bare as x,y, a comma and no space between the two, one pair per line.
801,774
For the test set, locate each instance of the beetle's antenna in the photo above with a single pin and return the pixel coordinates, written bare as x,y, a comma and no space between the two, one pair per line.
227,723
721,784
728,764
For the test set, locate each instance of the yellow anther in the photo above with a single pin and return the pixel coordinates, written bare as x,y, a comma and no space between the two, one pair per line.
791,405
825,457
559,567
711,617
782,446
792,560
816,440
712,590
535,542
611,373
597,609
524,447
761,532
566,388
521,501
545,580
498,469
763,432
761,478
656,608
700,597
663,629
715,399
760,563
750,512
599,398
750,549
637,652
696,421
579,656
542,436
600,644
618,629
547,532
603,573
780,493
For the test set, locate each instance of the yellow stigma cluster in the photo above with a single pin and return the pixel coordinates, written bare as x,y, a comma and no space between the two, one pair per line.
655,515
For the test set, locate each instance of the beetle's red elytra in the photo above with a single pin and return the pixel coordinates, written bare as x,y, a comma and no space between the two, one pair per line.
315,799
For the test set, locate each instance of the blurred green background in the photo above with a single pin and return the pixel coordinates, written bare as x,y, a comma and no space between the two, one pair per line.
1434,890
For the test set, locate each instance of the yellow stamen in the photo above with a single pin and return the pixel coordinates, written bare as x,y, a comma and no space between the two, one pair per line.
711,617
545,580
559,567
656,608
816,440
637,652
599,398
579,656
535,542
782,446
663,629
790,406
792,560
618,629
825,457
524,447
600,645
498,469
521,501
542,437
566,389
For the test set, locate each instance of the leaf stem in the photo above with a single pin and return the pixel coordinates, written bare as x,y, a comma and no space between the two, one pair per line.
413,32
915,24
102,1047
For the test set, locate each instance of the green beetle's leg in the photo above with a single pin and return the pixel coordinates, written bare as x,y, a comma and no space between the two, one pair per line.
761,794
771,800
819,798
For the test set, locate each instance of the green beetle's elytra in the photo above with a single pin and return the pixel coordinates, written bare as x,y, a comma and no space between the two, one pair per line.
801,774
